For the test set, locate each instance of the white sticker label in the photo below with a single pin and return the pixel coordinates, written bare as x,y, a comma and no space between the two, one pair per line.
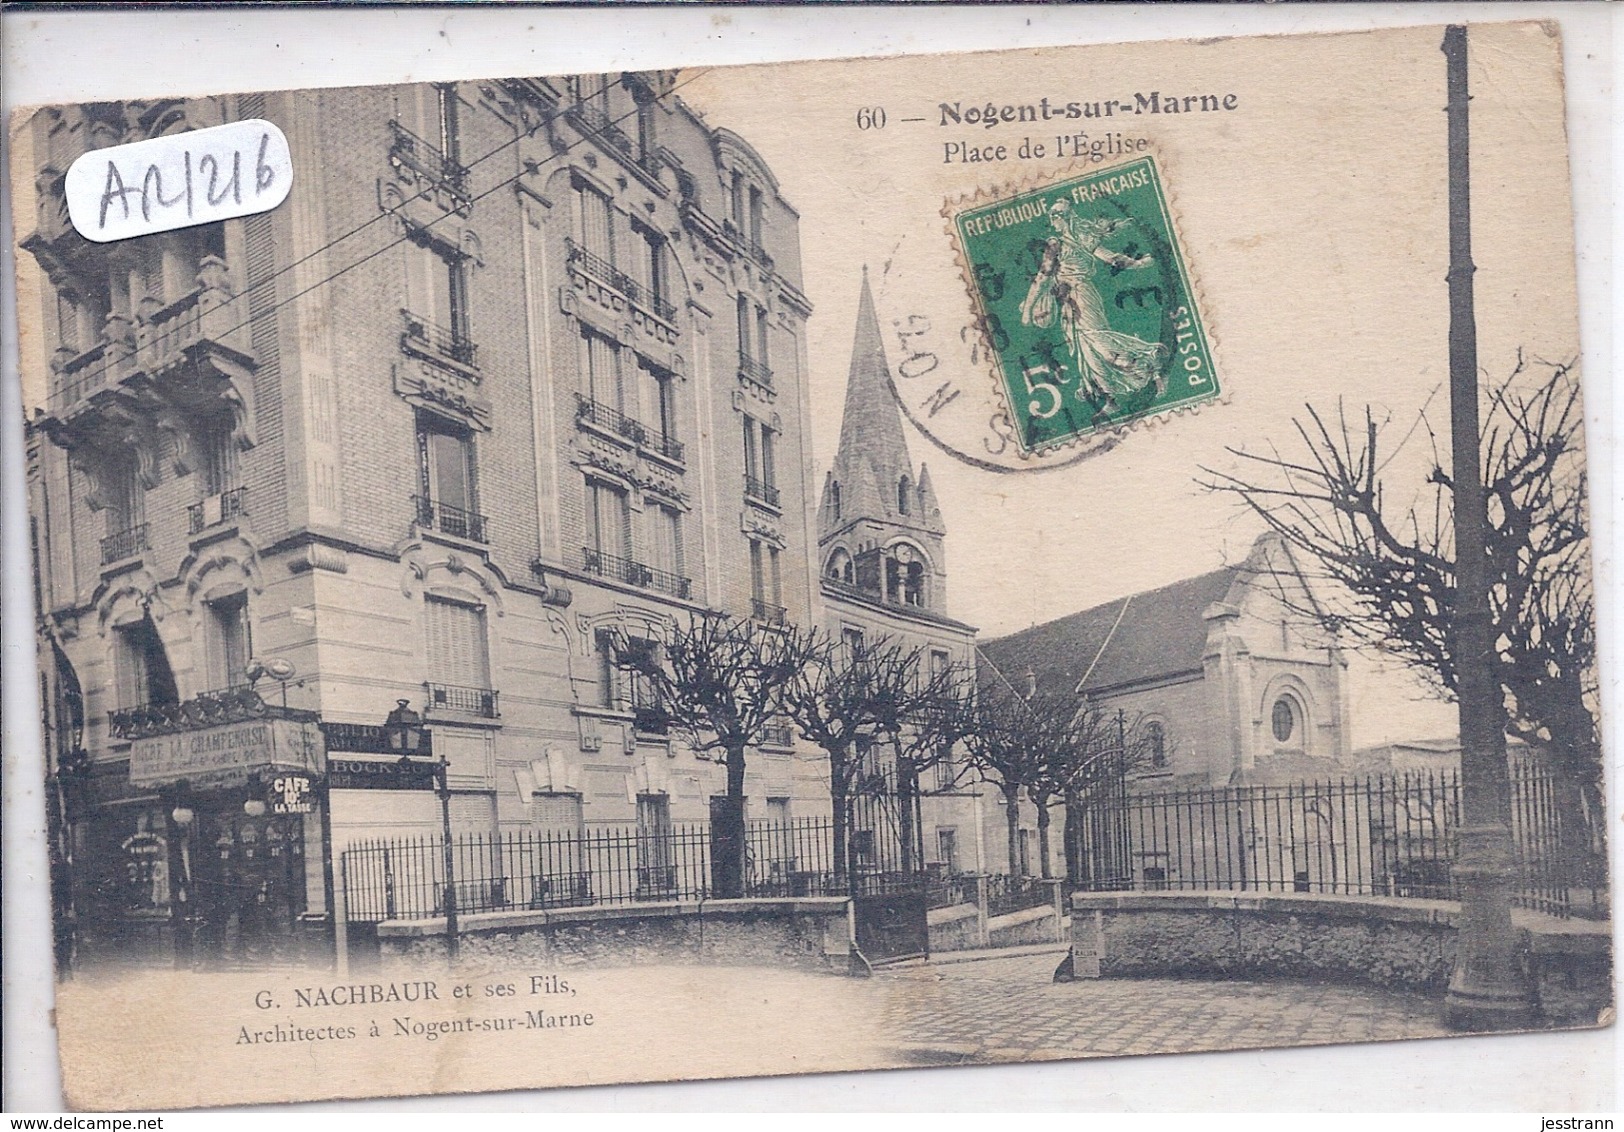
179,180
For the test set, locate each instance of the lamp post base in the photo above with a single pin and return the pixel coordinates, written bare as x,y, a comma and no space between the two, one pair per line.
1489,989
1488,1008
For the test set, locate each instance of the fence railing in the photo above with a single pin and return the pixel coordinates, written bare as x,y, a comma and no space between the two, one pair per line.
457,522
610,865
634,573
1375,836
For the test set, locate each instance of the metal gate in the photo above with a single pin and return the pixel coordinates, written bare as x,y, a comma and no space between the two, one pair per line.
886,873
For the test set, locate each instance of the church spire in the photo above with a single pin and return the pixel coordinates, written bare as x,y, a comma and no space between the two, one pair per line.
873,456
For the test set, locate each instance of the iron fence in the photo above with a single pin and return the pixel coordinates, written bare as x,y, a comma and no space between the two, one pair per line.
1375,836
404,878
448,520
1007,894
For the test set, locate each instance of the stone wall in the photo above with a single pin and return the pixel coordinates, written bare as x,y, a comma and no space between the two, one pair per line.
959,928
1387,942
1029,925
810,933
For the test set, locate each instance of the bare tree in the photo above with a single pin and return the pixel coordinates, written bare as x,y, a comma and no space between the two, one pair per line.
719,682
1393,565
850,698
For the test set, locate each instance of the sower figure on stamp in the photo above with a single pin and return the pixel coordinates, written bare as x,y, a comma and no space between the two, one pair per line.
1110,364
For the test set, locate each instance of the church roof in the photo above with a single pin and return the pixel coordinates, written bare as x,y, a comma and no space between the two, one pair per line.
871,427
1142,637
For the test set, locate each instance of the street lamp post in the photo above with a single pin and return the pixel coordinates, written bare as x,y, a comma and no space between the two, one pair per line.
404,731
1486,989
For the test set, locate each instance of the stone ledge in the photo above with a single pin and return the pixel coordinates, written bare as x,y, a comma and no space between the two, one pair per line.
951,915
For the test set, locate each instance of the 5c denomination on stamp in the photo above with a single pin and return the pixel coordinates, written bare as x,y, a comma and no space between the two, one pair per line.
1083,297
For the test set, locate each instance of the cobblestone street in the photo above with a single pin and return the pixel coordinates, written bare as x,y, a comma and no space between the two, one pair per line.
1005,1008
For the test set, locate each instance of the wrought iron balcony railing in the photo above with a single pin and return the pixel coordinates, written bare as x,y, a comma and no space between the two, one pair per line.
206,709
635,573
756,372
766,611
613,420
427,160
595,266
222,508
761,491
460,698
449,520
590,118
439,341
124,544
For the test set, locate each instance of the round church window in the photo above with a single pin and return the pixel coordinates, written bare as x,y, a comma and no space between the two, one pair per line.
1285,719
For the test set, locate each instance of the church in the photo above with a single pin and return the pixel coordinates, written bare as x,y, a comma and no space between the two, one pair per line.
1227,675
883,574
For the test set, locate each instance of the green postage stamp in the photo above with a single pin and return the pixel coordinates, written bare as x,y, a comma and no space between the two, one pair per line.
1085,304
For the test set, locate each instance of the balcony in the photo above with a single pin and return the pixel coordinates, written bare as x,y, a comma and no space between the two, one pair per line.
595,267
206,709
459,699
612,420
371,739
127,543
436,343
752,372
594,120
633,573
215,510
767,612
448,520
761,492
427,163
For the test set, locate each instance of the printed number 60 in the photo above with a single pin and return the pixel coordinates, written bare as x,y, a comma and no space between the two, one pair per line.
871,118
1041,389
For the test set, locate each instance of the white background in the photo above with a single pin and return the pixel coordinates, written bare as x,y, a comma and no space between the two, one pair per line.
53,57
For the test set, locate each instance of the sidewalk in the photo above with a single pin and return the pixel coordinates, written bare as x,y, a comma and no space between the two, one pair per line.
967,1007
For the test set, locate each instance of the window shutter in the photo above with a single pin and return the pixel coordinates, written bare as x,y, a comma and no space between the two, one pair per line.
456,640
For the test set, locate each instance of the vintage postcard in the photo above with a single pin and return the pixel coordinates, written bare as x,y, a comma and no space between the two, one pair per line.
965,559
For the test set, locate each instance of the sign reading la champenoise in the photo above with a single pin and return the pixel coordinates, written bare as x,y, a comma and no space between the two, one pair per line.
227,752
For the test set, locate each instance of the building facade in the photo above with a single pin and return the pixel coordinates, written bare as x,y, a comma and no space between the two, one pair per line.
518,363
883,577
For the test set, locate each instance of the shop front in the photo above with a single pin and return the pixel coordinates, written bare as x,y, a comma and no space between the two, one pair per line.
222,847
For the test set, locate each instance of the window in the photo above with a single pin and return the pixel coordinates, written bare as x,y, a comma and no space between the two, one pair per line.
219,459
1284,719
457,656
592,92
769,463
595,223
904,490
1156,741
558,815
744,320
834,502
448,496
659,399
947,772
947,848
739,218
228,641
755,218
437,300
647,267
655,872
609,519
141,666
765,577
603,375
668,539
445,113
841,568
778,810
760,462
752,451
853,640
761,338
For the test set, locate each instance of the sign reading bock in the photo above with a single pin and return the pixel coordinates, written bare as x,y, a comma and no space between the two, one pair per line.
226,754
176,181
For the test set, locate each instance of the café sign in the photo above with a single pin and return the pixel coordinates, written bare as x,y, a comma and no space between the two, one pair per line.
226,755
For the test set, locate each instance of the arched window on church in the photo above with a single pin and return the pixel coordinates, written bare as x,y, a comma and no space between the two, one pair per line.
834,501
904,489
841,568
1286,721
1156,741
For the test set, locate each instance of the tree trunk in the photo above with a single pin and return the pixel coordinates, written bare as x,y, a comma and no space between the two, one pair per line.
1043,839
1012,826
727,832
840,800
907,779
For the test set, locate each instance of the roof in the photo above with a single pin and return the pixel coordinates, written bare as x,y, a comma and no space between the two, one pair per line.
1142,637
